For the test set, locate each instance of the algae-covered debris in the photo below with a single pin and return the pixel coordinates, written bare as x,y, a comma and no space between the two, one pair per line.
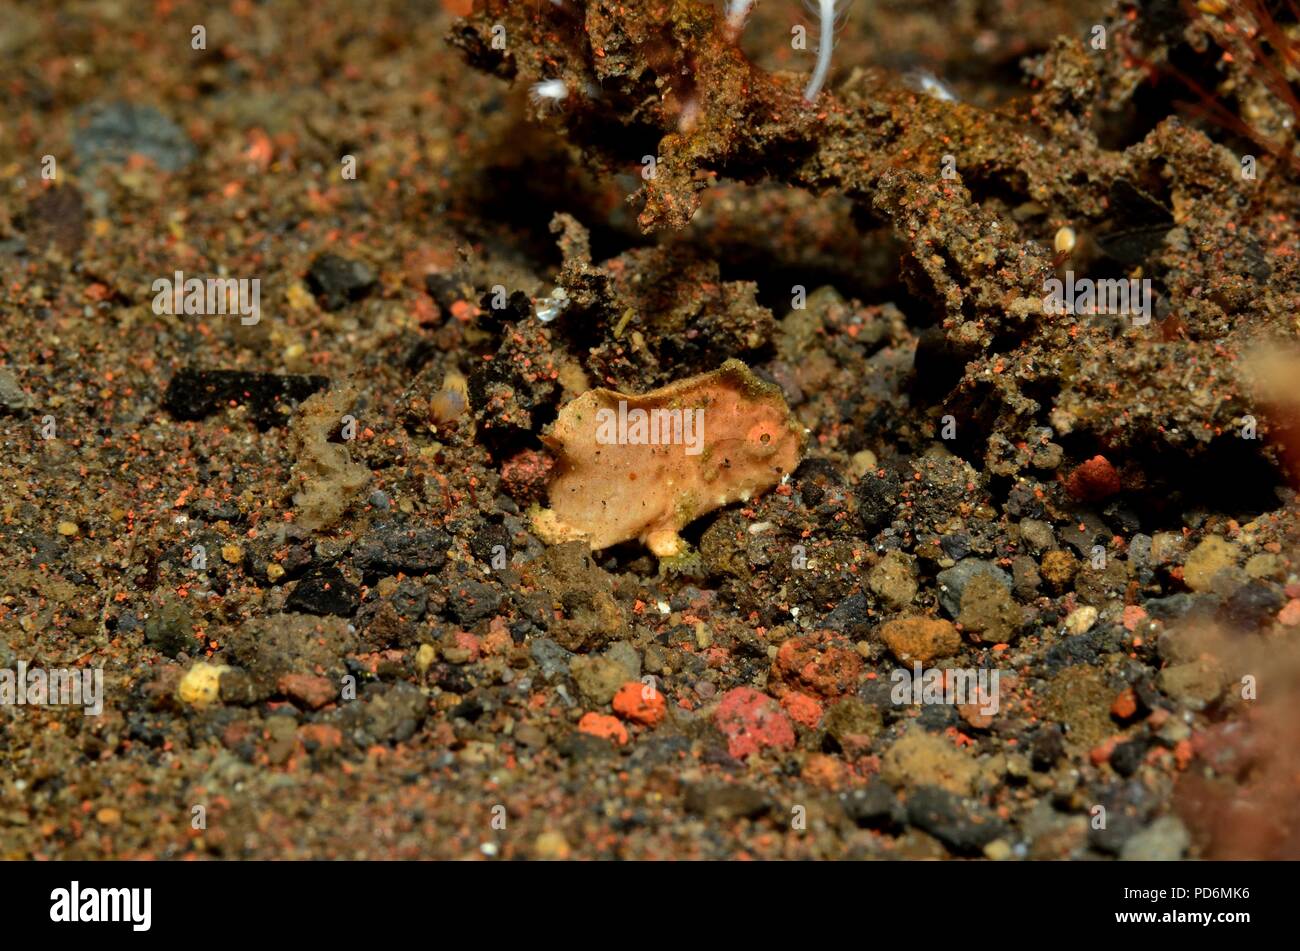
645,466
325,479
976,197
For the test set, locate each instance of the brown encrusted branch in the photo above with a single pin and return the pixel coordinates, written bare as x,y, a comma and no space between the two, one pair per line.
665,67
661,77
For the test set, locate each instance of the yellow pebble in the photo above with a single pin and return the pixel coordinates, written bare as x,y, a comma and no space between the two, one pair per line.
1081,620
551,846
68,528
232,554
201,685
274,572
1064,241
424,657
999,850
862,462
299,297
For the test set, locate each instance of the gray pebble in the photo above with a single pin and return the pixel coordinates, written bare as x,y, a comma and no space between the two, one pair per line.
112,132
1165,840
953,581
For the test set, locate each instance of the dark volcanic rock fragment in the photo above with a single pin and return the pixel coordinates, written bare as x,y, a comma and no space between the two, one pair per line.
385,714
408,548
874,806
470,600
1129,806
171,630
849,616
56,217
113,132
338,281
269,397
878,499
961,825
325,591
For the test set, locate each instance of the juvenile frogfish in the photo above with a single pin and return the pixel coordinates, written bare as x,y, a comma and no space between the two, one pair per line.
645,466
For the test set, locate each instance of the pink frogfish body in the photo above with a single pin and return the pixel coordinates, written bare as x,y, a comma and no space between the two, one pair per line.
643,467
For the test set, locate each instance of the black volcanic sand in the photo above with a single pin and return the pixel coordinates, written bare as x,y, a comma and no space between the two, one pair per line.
298,545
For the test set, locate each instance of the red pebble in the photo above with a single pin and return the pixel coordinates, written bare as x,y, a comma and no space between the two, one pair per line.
524,475
314,692
1133,616
639,703
1290,613
752,721
1101,753
603,726
467,641
1125,705
820,664
802,709
1093,480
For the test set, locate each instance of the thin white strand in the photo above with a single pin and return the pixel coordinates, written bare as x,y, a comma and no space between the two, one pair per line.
737,14
825,46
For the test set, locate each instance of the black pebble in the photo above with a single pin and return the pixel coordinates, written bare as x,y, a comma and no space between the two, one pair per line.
483,544
338,281
196,394
963,826
1127,757
877,500
472,601
1047,746
411,549
1253,604
955,547
874,806
325,591
113,132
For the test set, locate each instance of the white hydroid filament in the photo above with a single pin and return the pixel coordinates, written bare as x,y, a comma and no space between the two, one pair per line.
825,45
737,14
